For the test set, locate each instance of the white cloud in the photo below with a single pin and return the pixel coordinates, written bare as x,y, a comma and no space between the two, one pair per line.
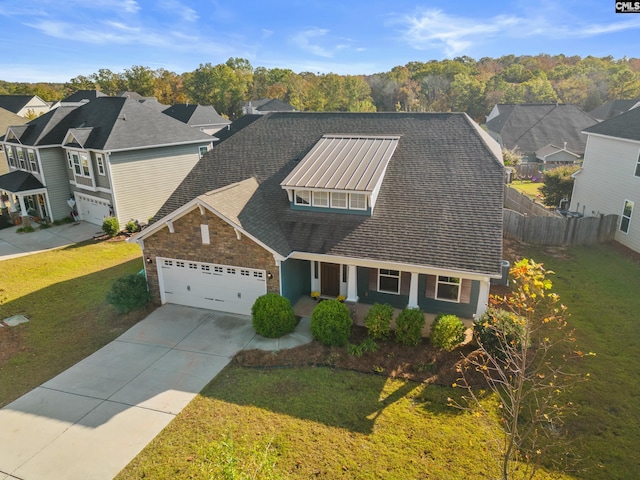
187,14
304,39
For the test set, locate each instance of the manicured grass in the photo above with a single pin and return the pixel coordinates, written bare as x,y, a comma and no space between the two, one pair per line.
320,423
62,293
527,187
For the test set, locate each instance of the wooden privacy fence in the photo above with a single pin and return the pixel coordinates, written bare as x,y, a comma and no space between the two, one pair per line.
514,200
557,231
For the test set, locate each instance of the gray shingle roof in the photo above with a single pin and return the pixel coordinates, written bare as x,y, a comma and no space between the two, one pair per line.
440,203
19,181
271,105
14,103
612,108
81,95
625,125
117,124
532,126
196,114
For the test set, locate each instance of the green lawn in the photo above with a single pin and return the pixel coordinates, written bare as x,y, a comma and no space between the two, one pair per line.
62,293
320,423
529,188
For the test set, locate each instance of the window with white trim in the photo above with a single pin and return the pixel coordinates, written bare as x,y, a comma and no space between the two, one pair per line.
76,163
100,163
625,221
203,150
338,200
84,161
21,160
357,201
204,233
70,160
33,162
302,197
11,157
448,289
320,199
389,281
638,166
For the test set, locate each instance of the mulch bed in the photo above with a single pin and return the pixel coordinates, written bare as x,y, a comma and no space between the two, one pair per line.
422,363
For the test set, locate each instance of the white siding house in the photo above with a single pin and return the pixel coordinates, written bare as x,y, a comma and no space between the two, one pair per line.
609,180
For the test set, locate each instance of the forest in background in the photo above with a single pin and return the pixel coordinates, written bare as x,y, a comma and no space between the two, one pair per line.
460,84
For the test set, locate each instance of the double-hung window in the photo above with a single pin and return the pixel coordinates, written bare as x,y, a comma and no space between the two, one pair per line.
203,150
389,281
100,163
627,210
10,156
84,161
638,166
21,160
448,289
76,163
32,160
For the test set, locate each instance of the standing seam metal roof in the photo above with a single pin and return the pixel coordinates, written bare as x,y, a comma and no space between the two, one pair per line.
344,162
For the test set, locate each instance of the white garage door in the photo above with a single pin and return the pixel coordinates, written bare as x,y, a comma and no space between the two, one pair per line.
208,285
92,209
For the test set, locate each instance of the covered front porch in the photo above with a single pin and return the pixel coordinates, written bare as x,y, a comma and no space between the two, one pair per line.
23,199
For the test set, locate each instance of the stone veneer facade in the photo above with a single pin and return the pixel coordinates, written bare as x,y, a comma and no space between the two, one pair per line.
224,248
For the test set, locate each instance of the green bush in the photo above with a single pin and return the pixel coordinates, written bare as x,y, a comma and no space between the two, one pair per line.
128,293
131,227
409,325
272,316
367,345
331,323
378,321
447,331
111,226
497,330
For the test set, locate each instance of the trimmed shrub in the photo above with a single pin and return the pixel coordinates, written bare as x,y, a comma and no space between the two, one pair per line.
378,321
272,316
447,331
131,227
111,226
331,323
128,293
409,325
496,329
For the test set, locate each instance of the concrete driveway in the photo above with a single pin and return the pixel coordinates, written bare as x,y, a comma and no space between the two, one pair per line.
90,421
14,244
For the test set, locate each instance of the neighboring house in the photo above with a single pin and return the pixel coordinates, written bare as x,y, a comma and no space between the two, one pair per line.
24,105
202,117
83,96
550,155
266,105
530,127
609,180
613,108
7,118
234,127
400,208
109,156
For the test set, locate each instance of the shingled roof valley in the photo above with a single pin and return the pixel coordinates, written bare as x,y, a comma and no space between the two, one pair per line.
440,202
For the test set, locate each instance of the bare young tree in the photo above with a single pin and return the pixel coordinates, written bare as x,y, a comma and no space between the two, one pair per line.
525,347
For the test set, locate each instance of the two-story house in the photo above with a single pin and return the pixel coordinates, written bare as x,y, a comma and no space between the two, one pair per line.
398,208
111,156
609,180
25,105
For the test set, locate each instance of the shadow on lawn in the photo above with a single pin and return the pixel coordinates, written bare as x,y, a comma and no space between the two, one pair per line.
336,398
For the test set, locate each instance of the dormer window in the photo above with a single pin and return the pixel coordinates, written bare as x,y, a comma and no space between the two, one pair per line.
341,172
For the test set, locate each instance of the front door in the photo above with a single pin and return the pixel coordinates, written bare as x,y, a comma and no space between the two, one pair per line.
330,279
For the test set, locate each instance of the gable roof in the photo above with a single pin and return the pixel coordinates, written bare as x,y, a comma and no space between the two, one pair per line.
196,115
81,95
15,103
625,125
235,126
8,118
271,105
532,126
116,123
547,150
439,205
613,108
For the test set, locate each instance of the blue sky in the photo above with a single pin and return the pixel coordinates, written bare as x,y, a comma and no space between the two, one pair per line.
56,40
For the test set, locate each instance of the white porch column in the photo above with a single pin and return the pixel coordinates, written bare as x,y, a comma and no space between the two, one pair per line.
413,291
23,207
483,297
12,204
352,283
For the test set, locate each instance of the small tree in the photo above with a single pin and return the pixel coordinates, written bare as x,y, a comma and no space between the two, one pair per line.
558,185
378,321
128,293
331,323
447,332
111,226
526,373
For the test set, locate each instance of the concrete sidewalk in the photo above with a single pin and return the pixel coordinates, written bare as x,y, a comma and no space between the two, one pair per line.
90,421
14,244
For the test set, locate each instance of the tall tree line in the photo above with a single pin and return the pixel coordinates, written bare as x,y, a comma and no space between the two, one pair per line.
460,84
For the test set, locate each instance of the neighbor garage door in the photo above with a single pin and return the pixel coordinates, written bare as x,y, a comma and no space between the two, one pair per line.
92,209
208,285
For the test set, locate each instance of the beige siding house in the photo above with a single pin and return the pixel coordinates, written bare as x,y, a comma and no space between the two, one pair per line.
111,156
609,180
